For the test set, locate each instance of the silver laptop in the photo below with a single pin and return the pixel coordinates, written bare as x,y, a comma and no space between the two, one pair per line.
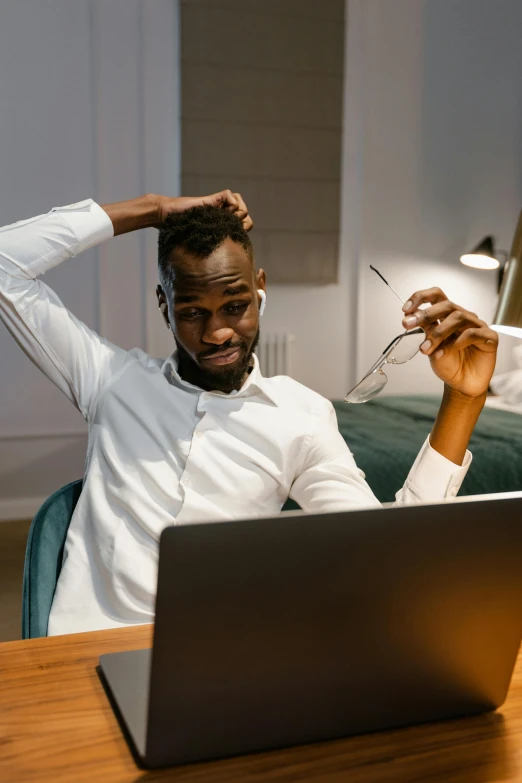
277,632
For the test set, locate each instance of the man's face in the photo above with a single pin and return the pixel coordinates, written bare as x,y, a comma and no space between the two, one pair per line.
213,310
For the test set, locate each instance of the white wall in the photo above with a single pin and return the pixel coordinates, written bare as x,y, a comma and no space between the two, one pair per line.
89,96
438,97
432,161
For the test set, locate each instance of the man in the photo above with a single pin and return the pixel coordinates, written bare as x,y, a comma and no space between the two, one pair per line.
202,435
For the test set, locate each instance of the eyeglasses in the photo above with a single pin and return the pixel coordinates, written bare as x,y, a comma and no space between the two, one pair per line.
399,351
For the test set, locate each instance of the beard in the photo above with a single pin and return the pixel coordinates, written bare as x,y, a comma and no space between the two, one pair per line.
223,379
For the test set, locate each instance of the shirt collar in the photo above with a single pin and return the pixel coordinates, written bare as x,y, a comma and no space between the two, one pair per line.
254,384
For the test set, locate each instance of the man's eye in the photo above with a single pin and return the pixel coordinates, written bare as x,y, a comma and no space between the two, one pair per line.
236,308
190,315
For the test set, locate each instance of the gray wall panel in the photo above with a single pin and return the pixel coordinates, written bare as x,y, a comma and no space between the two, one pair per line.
262,114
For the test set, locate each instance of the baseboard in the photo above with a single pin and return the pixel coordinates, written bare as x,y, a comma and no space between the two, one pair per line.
19,508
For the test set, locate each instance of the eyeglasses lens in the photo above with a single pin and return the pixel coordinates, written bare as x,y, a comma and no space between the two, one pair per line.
367,388
406,348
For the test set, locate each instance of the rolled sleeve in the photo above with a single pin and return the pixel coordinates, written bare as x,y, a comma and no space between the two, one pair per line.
433,477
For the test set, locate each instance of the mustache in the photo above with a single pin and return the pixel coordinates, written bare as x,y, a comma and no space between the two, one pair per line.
220,348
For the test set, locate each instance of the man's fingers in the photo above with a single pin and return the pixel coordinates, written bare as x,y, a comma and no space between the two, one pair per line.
456,322
482,337
431,295
248,223
461,347
241,209
234,203
437,312
225,198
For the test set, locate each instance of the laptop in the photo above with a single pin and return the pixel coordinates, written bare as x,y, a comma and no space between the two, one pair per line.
277,632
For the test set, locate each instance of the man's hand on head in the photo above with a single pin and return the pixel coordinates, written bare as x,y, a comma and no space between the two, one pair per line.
233,202
151,210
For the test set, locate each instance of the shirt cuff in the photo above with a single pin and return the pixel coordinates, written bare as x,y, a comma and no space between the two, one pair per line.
433,477
90,224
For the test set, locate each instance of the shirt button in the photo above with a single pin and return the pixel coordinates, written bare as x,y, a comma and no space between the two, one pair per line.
186,481
453,491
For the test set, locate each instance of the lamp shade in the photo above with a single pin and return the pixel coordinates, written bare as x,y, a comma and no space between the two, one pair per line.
482,256
508,318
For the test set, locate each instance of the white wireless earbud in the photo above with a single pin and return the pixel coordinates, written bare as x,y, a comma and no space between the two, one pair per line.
262,306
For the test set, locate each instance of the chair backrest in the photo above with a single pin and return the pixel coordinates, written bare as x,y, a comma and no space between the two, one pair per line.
43,558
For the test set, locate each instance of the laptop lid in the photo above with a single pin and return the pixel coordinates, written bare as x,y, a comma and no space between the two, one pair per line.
277,632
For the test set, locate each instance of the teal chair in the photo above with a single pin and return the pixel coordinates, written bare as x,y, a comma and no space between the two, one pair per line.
43,558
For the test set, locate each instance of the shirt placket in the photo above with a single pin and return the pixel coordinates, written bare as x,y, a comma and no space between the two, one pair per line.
187,477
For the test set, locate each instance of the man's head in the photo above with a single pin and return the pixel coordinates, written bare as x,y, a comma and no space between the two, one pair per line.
209,295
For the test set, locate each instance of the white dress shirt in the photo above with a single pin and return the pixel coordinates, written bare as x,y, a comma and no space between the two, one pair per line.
162,451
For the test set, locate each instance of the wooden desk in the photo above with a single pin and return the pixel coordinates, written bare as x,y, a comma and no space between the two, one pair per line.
56,725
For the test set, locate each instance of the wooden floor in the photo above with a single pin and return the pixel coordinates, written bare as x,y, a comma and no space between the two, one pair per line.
13,536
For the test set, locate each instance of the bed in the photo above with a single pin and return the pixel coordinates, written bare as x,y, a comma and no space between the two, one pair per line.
386,434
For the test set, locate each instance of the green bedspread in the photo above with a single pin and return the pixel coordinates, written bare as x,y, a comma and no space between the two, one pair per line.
386,434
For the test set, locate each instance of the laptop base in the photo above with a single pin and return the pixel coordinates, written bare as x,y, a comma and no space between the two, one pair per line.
125,677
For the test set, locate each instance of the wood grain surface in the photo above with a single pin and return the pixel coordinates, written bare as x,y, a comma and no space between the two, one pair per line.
56,725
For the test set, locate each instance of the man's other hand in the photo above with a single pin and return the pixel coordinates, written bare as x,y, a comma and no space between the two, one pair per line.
461,347
233,202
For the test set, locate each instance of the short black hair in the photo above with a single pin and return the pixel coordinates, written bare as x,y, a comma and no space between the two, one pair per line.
199,231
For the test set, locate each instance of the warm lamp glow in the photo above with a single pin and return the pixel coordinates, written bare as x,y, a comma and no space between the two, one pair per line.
482,256
479,261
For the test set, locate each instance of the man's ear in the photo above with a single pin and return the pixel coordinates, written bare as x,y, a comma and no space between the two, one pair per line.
163,306
261,290
261,279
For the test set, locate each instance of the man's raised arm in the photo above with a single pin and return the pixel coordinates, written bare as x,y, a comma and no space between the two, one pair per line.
70,354
62,347
151,210
462,352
